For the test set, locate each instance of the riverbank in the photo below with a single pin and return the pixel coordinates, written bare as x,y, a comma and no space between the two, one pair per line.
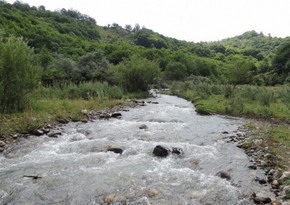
267,144
47,114
267,139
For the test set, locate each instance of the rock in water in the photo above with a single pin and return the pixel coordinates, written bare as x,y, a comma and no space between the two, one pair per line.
143,127
115,150
224,175
262,200
116,115
177,150
160,151
37,132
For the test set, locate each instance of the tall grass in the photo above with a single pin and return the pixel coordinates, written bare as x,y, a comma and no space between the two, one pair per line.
86,91
245,100
65,100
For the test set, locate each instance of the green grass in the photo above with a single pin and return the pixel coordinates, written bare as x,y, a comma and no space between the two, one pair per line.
49,111
247,101
48,105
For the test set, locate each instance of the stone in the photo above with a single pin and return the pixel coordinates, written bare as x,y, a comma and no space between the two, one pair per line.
285,176
143,127
63,121
105,115
223,175
177,150
109,198
54,134
160,151
253,167
286,192
37,132
116,115
262,200
153,193
115,150
275,184
45,130
225,132
2,144
262,181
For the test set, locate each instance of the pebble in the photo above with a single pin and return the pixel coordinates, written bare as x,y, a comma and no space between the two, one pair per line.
2,144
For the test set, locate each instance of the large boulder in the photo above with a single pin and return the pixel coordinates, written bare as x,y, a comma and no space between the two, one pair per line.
160,151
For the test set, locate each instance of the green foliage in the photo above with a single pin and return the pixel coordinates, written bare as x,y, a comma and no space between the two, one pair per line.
18,74
136,73
175,71
93,66
239,70
281,62
85,91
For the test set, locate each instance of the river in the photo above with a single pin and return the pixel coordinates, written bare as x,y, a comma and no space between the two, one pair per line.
76,168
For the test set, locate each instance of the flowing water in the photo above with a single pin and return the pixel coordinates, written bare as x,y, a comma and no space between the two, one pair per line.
76,169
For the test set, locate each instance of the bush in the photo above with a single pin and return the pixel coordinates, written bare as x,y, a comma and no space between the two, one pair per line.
19,74
136,73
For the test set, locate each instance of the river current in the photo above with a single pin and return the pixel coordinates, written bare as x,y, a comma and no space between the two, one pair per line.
76,168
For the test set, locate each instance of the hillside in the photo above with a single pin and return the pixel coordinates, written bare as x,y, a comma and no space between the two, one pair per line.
70,34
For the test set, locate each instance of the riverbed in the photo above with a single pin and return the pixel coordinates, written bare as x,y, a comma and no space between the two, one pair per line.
76,167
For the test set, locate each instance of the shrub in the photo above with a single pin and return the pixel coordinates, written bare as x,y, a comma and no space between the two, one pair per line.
19,74
136,73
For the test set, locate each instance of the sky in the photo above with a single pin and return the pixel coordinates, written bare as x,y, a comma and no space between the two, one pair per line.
190,20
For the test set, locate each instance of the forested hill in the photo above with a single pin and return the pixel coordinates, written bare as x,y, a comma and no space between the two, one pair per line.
63,39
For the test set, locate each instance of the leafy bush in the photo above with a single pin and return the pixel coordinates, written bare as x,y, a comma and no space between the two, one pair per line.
19,74
136,73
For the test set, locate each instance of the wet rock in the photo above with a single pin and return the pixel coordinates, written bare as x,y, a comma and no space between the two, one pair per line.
223,175
153,192
155,103
45,130
104,115
63,121
261,200
1,149
116,115
37,132
54,134
253,167
115,150
160,151
177,150
262,181
225,132
143,127
2,144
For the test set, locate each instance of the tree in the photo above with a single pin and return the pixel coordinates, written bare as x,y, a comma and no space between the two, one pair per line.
175,71
239,70
136,73
281,61
19,74
93,66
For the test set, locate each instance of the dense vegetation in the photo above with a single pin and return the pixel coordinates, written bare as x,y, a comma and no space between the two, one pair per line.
64,56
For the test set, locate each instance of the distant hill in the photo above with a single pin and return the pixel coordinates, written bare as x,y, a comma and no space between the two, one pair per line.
72,34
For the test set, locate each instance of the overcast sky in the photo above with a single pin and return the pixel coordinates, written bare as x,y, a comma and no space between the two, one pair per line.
191,20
